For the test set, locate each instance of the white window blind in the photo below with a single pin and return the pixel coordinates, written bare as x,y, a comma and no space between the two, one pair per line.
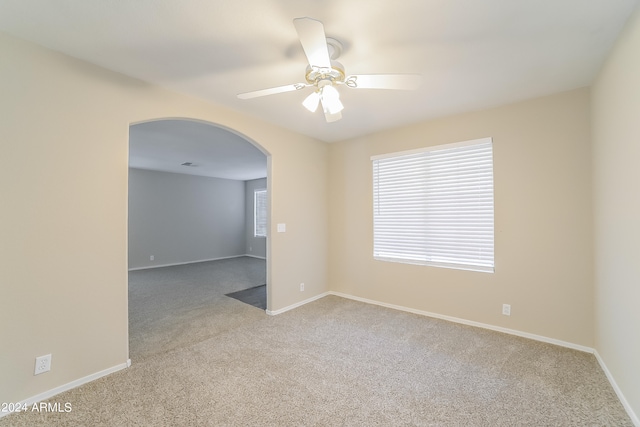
434,206
260,213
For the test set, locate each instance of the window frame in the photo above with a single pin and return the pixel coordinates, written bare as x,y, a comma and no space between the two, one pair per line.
256,213
421,247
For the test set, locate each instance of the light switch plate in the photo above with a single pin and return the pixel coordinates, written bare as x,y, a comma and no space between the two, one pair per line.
282,228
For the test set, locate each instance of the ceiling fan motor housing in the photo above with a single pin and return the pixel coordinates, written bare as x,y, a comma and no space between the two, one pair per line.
335,73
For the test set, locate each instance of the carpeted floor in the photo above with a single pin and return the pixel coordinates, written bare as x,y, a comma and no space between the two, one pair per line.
330,362
256,296
175,307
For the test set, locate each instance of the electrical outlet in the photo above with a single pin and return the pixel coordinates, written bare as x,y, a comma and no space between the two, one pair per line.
43,364
151,258
506,309
301,287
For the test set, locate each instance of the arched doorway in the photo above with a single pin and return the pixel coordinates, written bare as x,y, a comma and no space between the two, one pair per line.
192,235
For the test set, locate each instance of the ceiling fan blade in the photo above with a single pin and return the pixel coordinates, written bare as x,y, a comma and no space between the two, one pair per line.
272,91
314,41
384,81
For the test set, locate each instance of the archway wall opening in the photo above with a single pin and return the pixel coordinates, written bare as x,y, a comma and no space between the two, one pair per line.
191,194
297,181
297,197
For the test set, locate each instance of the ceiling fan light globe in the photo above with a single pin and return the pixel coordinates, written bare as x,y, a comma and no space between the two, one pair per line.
332,117
330,93
311,102
331,100
332,106
335,106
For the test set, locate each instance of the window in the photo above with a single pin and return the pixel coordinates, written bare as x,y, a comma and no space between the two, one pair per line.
260,213
434,206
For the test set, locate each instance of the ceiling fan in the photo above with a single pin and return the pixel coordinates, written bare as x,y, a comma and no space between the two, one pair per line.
324,73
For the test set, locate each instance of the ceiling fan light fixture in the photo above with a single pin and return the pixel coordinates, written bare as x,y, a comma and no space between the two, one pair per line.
324,73
332,107
311,102
331,100
330,118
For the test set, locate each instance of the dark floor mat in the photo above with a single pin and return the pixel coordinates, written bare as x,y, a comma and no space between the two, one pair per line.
256,296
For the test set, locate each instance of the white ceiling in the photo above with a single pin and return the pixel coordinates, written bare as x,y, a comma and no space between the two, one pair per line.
164,145
473,54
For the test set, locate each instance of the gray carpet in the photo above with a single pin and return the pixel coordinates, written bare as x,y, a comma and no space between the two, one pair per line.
330,362
256,296
174,307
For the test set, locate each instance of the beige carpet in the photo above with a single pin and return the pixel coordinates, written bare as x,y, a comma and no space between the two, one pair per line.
331,362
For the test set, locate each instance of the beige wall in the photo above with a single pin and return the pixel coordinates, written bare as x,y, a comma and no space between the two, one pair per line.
64,128
616,148
543,223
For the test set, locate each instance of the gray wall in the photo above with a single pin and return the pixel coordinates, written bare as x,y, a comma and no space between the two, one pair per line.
255,246
181,218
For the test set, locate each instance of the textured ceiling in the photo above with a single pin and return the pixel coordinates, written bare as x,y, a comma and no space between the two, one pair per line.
473,54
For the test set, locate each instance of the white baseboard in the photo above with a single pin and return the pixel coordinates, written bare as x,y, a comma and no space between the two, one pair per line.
73,384
296,305
469,323
439,316
612,381
185,263
255,256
